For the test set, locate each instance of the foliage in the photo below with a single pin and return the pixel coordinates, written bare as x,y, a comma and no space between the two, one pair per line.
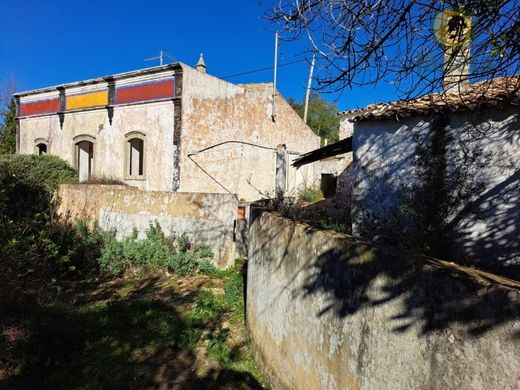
155,252
121,341
38,171
206,308
311,194
322,117
362,42
218,349
29,239
8,129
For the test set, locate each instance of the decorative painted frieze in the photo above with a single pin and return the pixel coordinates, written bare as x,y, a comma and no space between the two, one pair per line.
87,100
39,107
153,90
108,92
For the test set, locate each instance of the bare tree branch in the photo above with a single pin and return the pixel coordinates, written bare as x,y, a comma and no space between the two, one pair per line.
361,42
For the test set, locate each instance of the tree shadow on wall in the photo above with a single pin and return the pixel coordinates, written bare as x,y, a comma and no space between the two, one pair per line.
434,294
497,249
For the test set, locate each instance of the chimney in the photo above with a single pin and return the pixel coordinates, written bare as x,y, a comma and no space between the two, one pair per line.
455,35
201,65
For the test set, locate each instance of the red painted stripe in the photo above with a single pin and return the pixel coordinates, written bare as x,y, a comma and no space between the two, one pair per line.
40,107
143,92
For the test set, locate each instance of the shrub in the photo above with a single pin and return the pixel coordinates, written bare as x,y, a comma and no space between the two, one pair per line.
206,308
311,194
155,252
34,249
48,171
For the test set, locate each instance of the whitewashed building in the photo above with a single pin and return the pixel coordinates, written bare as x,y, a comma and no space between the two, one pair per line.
168,128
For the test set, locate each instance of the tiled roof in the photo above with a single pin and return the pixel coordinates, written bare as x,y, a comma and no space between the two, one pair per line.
492,93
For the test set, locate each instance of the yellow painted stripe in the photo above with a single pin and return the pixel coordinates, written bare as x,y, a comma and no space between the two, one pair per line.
92,99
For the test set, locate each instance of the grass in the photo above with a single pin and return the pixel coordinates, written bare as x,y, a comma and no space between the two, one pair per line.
185,332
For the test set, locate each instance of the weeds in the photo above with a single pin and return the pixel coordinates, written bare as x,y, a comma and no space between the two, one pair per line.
206,308
155,252
311,194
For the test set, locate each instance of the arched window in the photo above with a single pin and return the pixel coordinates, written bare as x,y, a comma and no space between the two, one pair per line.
84,156
135,155
42,149
41,146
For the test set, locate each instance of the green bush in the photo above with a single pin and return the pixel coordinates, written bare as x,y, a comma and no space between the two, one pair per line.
47,171
29,239
311,194
206,308
155,252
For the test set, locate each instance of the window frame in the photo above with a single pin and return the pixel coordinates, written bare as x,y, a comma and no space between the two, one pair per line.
128,137
38,142
80,138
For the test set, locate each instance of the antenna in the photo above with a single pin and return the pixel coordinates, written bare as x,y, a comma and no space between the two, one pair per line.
273,112
308,92
160,57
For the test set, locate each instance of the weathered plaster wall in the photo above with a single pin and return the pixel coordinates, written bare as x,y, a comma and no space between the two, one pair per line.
345,169
142,101
155,120
215,111
328,311
189,112
206,218
384,155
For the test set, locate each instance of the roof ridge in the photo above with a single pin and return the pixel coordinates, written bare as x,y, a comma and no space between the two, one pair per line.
487,92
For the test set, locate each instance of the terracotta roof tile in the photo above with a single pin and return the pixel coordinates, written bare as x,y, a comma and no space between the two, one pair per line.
492,93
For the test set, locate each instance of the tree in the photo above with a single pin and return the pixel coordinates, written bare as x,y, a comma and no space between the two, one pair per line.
8,130
360,42
322,117
8,119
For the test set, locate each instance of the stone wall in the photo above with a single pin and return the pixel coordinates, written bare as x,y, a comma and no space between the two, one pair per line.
328,311
236,122
205,218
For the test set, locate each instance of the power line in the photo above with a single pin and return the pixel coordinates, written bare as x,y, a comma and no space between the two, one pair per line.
263,69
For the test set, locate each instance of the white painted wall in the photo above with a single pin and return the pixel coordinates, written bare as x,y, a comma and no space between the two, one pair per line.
155,120
383,156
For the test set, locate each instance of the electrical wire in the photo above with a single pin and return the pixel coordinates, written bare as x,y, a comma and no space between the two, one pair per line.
263,69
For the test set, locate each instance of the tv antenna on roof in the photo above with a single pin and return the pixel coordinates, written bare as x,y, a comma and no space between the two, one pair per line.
160,57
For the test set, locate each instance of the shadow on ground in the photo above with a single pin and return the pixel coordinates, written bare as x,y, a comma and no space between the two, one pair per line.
117,336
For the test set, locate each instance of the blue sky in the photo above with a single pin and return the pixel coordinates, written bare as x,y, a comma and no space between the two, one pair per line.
45,43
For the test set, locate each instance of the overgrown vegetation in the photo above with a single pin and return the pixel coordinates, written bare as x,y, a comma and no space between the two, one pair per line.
311,208
155,252
68,320
322,117
33,247
8,128
311,194
135,333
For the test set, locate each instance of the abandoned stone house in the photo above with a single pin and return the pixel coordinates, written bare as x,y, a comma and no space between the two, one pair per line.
477,133
169,128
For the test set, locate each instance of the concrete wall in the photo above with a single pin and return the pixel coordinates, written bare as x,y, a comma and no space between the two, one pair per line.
205,218
215,111
487,232
327,311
